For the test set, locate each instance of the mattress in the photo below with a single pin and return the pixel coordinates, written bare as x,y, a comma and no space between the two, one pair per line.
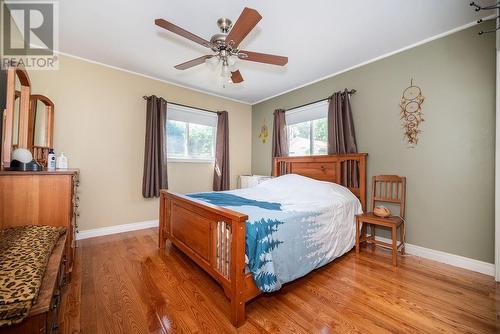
295,225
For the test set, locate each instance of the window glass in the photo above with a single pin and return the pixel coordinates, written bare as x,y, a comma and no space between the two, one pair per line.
176,138
299,136
320,135
307,129
201,141
190,134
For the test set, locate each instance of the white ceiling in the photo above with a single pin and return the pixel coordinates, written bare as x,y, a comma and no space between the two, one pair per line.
320,37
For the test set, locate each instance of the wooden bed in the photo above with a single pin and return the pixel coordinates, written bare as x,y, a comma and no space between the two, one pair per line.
214,237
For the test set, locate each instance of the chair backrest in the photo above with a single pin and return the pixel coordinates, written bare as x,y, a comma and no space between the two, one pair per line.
389,189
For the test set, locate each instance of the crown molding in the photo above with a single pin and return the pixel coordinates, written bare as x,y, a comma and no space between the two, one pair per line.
411,46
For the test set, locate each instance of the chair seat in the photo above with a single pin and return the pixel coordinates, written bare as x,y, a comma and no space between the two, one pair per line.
388,221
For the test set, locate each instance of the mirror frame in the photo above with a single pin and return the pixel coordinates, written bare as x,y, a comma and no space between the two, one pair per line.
14,72
17,95
49,121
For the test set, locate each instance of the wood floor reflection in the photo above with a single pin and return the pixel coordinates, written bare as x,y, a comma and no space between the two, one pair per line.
124,284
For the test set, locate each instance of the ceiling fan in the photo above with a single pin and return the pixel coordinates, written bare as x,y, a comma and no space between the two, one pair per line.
225,44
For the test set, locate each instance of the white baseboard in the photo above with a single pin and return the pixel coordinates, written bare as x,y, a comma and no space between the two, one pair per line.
448,258
427,253
97,232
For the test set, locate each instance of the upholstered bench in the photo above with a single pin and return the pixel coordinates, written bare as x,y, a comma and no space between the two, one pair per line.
31,272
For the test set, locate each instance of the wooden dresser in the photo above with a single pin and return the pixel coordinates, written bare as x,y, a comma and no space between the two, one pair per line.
44,314
42,198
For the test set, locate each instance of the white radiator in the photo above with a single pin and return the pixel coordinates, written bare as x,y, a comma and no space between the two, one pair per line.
249,181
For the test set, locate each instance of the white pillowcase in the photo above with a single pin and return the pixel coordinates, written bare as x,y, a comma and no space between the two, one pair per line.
293,188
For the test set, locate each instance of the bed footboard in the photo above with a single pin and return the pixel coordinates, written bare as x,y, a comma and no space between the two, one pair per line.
211,236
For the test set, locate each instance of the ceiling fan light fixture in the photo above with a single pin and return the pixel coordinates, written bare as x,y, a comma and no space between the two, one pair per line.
224,82
212,62
226,72
231,60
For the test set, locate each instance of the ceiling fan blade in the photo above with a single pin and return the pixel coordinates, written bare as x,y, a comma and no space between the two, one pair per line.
263,58
182,32
236,76
192,62
246,22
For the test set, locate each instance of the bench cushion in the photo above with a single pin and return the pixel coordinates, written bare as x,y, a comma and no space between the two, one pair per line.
24,253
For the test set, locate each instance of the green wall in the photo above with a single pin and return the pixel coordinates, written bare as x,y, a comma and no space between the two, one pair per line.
450,174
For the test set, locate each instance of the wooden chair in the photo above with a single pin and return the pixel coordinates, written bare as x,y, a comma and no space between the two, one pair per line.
388,189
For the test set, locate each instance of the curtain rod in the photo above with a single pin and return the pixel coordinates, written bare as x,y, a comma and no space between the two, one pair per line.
350,92
184,105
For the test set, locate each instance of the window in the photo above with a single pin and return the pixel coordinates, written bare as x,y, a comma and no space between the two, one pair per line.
190,134
308,130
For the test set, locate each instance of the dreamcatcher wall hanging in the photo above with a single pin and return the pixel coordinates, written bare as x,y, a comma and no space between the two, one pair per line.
264,132
411,113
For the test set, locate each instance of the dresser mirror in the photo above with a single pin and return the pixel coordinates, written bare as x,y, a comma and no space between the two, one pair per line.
41,122
40,128
15,120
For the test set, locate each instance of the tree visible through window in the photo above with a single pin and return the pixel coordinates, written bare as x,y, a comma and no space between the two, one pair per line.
307,129
201,141
308,138
190,141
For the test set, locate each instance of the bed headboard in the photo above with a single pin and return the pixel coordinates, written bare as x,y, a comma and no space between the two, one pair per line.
331,168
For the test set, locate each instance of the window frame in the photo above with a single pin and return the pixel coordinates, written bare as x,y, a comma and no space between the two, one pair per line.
191,113
308,113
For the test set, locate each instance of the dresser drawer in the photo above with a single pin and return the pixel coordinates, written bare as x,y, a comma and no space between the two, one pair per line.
53,314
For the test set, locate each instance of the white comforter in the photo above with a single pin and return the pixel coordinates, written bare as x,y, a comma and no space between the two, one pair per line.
295,225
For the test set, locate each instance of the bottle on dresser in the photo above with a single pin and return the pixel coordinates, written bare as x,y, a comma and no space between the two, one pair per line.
62,161
51,160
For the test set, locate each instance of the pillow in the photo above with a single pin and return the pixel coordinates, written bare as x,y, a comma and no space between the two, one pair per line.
307,189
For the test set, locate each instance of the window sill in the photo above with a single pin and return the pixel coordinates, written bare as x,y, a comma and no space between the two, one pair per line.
196,161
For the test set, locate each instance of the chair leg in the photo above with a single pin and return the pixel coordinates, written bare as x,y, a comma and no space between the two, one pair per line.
394,246
402,237
357,235
372,231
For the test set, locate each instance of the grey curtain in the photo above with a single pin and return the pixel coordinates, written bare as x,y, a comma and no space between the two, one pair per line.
155,157
280,135
221,168
341,135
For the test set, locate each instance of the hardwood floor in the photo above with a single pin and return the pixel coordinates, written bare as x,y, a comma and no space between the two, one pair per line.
124,284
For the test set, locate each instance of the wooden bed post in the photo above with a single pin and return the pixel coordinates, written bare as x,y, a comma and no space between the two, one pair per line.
161,230
362,181
238,274
275,167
